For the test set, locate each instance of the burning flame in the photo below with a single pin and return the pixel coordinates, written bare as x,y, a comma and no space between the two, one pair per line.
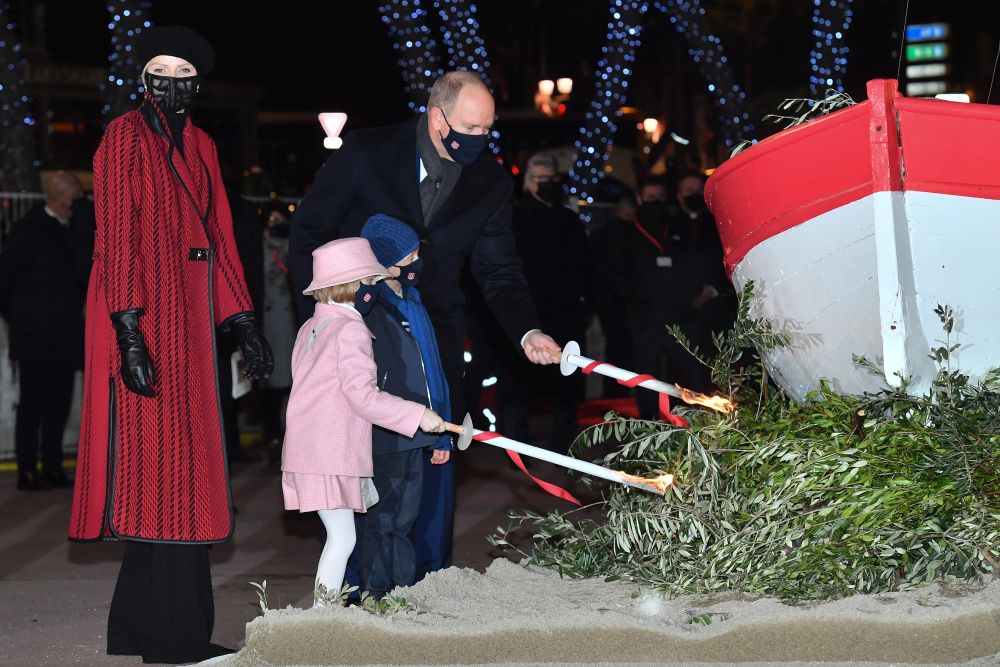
661,483
717,403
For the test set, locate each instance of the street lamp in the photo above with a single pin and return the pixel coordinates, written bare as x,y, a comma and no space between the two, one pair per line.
333,123
553,105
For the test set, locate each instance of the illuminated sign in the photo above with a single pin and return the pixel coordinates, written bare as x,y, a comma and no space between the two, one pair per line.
927,71
934,51
925,88
925,32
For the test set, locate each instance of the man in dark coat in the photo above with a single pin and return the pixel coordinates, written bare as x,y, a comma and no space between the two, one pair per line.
660,295
43,279
713,302
553,246
431,173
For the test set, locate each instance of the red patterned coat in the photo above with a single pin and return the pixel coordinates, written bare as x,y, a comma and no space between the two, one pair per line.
154,468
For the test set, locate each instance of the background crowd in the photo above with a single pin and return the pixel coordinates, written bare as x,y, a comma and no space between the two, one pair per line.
614,285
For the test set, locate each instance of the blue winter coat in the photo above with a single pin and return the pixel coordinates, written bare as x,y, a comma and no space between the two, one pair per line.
400,372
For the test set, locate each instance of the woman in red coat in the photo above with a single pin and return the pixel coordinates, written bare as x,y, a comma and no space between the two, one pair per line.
151,468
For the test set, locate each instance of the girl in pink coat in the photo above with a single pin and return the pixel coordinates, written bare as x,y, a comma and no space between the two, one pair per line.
326,460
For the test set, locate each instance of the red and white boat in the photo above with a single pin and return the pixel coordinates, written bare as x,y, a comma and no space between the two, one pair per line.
855,226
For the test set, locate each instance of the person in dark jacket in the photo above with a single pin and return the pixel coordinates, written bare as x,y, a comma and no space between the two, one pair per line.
553,246
248,234
43,279
431,172
612,288
409,366
659,296
713,300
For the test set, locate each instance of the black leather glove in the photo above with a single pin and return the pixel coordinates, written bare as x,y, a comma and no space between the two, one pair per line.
137,368
257,360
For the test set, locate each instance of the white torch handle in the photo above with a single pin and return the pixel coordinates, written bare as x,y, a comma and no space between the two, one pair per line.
585,467
622,374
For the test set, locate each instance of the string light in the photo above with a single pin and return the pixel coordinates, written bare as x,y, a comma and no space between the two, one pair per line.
705,49
411,38
828,57
17,142
611,84
466,48
122,88
612,77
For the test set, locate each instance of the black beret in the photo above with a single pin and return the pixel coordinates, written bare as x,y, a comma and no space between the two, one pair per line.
178,41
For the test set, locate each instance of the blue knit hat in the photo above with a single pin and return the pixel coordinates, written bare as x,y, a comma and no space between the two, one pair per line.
391,239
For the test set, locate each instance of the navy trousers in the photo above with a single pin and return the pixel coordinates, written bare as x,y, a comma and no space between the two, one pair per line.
387,555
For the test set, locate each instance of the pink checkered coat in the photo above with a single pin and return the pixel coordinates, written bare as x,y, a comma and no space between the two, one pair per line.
334,399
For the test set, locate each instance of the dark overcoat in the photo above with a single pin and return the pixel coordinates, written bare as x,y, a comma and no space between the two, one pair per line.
376,171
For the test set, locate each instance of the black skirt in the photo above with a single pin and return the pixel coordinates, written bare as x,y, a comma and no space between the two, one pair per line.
163,609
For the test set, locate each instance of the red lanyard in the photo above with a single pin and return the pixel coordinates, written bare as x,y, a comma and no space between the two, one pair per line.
652,239
277,260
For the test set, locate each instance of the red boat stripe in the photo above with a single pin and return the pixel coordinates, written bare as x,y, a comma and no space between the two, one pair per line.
802,173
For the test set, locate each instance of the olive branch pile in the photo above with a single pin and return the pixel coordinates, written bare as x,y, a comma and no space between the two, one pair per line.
834,496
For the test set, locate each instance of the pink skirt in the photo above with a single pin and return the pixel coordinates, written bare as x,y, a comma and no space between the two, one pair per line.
307,493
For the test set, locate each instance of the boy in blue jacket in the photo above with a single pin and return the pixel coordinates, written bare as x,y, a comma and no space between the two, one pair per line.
413,497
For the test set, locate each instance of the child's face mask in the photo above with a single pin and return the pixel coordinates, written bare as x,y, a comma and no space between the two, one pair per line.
364,298
409,275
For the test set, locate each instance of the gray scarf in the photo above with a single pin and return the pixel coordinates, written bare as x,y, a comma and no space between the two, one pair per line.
442,175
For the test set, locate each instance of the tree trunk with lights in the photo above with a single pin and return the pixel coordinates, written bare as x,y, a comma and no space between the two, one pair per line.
466,48
412,39
120,90
18,154
828,57
611,83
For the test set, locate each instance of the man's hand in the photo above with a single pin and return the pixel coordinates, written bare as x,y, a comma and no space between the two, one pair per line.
541,349
439,456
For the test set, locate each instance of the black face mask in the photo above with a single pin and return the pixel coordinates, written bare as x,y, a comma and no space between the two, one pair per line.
409,275
364,298
463,148
653,212
694,203
171,93
550,192
279,231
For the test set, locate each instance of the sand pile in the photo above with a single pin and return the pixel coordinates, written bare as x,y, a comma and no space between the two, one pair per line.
513,614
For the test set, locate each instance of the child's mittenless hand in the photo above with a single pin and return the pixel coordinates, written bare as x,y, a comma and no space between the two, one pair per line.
431,422
439,456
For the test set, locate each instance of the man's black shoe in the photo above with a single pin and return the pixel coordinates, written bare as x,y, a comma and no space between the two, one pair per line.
30,482
57,480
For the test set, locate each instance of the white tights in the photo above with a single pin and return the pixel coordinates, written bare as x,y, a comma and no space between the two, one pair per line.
340,538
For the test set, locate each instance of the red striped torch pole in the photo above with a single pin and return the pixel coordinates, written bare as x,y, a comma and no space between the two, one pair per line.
467,434
572,360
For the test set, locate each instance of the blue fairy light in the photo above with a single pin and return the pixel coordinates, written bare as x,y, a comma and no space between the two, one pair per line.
128,19
828,57
18,157
406,22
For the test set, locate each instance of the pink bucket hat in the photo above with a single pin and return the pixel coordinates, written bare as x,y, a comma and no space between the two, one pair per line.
343,261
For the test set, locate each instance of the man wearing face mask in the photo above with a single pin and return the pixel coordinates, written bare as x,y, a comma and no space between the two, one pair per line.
433,173
553,246
713,301
151,469
43,278
659,296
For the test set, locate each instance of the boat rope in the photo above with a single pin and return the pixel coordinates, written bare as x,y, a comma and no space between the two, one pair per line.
994,75
902,41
